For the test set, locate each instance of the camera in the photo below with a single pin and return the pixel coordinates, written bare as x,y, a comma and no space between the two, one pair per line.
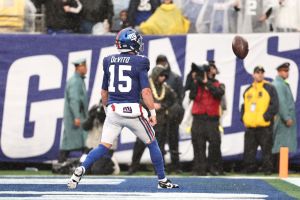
200,71
95,113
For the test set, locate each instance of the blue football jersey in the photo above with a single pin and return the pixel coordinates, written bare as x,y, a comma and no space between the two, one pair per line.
125,75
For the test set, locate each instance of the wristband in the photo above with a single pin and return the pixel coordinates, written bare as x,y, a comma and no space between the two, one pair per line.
105,109
152,112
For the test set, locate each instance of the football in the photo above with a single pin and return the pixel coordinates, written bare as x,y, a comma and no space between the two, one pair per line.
240,47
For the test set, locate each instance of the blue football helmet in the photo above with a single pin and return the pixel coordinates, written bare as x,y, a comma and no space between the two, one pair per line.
128,40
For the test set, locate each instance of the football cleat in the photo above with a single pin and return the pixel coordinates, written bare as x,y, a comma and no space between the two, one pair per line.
76,177
166,185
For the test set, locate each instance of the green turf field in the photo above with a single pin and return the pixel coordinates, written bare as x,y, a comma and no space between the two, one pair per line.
291,189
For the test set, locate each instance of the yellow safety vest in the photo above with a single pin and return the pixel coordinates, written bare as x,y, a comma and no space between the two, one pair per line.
256,103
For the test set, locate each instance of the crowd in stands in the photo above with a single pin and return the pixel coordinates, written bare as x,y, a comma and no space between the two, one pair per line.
150,16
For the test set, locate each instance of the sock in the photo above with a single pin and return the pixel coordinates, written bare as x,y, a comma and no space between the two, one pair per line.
94,155
163,180
157,159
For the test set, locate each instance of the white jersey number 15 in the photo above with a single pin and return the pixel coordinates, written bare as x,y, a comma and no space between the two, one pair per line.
122,87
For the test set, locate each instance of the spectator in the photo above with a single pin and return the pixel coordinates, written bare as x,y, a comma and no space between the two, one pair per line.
12,15
167,20
207,92
58,18
287,16
140,10
285,124
118,7
101,28
164,98
224,17
75,111
68,7
121,22
258,111
253,15
29,17
175,115
192,9
95,11
217,16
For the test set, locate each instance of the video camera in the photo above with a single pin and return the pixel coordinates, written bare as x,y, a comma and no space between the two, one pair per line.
96,112
200,71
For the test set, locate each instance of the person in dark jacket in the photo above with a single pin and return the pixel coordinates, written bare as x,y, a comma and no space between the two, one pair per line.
60,18
175,115
258,111
164,98
207,92
140,10
121,22
95,11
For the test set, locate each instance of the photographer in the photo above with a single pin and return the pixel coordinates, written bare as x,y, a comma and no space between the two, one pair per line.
206,91
93,125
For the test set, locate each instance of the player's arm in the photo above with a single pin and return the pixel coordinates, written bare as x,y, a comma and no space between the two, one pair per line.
104,97
146,91
148,100
105,82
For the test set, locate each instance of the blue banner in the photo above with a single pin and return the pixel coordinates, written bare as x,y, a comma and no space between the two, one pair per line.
34,70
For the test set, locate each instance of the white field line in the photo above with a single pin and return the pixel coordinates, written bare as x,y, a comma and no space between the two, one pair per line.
293,180
151,176
142,194
115,180
60,181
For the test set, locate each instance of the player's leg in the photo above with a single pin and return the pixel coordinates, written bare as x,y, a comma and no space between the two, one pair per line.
157,161
110,131
138,150
143,130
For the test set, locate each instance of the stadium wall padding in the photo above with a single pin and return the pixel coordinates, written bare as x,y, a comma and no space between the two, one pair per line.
34,70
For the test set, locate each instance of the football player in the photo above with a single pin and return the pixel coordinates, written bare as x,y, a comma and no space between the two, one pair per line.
125,79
